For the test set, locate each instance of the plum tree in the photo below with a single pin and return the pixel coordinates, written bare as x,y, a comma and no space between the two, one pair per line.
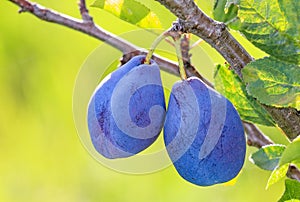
203,133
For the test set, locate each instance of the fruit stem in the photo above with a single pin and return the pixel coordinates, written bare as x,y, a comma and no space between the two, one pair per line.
154,45
177,40
180,60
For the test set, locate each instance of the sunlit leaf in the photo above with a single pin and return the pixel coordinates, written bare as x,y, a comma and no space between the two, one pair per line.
292,191
273,82
149,21
273,26
268,156
292,153
130,11
230,85
277,174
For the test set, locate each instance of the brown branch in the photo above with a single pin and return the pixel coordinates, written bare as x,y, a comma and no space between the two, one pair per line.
73,23
293,172
193,20
90,29
290,127
185,50
259,139
255,136
85,12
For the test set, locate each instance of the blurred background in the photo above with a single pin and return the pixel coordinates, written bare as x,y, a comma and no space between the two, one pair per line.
41,155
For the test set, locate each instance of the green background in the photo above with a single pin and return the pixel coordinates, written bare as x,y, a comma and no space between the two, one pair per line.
42,158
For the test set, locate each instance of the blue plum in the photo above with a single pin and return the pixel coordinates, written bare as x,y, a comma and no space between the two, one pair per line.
127,110
203,134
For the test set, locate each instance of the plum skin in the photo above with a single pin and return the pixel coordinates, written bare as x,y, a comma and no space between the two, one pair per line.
110,140
226,158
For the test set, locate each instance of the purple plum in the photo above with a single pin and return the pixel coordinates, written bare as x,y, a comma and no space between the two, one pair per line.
127,110
203,134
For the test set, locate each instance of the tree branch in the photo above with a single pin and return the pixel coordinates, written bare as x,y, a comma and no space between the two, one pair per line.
255,136
90,29
259,139
293,172
193,20
85,12
73,23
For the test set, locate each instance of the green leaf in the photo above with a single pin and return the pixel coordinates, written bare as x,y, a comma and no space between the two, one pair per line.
292,153
292,191
224,12
277,175
267,157
296,163
273,26
130,11
273,82
230,85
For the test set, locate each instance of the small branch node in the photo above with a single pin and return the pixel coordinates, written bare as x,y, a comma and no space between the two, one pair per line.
177,26
22,10
85,12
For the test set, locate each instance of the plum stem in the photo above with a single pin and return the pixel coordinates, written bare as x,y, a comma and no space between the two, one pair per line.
176,37
161,37
180,60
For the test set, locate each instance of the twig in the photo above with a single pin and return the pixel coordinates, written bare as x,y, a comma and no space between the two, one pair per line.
259,139
91,30
196,43
293,172
255,136
73,23
85,12
193,20
185,49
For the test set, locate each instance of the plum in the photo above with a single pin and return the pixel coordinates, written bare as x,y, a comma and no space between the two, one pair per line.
127,110
203,134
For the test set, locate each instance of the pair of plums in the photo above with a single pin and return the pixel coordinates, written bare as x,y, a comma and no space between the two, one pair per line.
203,132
